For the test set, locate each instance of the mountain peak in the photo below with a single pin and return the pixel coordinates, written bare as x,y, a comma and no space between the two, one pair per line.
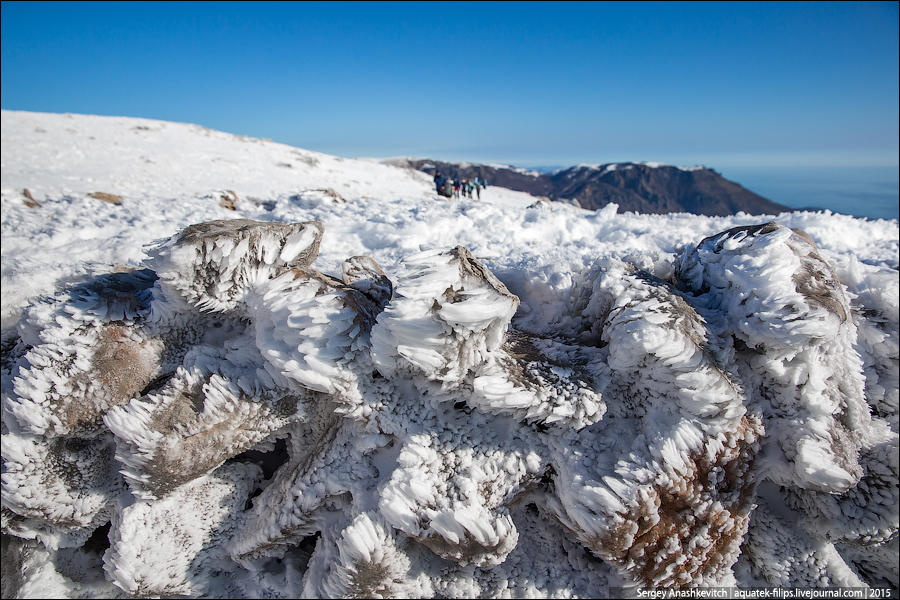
643,187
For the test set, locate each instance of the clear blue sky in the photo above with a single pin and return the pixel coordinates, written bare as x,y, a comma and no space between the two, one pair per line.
731,84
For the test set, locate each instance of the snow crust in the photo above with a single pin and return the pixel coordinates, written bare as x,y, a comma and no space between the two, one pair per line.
323,380
609,168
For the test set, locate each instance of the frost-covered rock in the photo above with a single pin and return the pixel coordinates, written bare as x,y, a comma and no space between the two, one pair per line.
877,320
369,563
324,466
822,371
542,380
192,425
314,330
788,556
234,422
448,312
790,316
97,355
669,499
152,553
58,490
212,265
363,274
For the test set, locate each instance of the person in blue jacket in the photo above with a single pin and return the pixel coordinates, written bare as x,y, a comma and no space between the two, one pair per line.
439,181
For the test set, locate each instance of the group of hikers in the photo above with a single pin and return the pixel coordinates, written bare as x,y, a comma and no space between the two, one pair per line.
456,188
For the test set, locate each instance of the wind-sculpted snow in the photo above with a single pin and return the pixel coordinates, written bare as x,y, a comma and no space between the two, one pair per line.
232,422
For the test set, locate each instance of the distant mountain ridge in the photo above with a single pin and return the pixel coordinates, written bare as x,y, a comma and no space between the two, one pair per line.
649,188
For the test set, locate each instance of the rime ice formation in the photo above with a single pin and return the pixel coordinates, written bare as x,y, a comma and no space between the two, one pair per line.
230,421
810,375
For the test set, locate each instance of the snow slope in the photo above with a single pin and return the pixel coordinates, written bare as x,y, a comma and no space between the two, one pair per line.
250,408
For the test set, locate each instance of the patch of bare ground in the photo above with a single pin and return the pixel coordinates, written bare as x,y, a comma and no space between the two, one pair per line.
229,200
30,202
111,198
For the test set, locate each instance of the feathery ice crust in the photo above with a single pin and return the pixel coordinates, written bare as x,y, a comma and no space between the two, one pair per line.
150,554
212,265
240,422
669,502
789,314
448,313
97,355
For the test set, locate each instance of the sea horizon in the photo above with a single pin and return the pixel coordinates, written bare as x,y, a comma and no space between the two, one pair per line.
862,191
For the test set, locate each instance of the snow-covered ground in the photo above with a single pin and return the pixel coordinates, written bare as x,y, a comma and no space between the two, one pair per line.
690,410
171,175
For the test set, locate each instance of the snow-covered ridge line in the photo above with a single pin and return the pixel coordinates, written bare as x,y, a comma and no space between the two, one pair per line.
647,187
605,167
609,167
137,158
520,170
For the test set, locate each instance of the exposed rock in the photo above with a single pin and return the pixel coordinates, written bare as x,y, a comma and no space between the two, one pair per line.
111,198
229,199
30,202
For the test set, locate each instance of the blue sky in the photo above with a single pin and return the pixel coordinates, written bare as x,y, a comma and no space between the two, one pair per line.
749,85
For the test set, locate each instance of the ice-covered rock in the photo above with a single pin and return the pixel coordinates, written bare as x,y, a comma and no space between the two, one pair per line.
243,424
669,496
788,556
543,381
792,322
363,273
448,312
169,547
367,561
875,314
212,265
96,355
193,424
57,490
314,330
324,468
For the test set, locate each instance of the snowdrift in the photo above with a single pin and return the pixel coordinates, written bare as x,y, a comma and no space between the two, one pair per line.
228,420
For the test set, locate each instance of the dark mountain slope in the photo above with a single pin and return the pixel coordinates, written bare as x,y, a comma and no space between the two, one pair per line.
637,187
